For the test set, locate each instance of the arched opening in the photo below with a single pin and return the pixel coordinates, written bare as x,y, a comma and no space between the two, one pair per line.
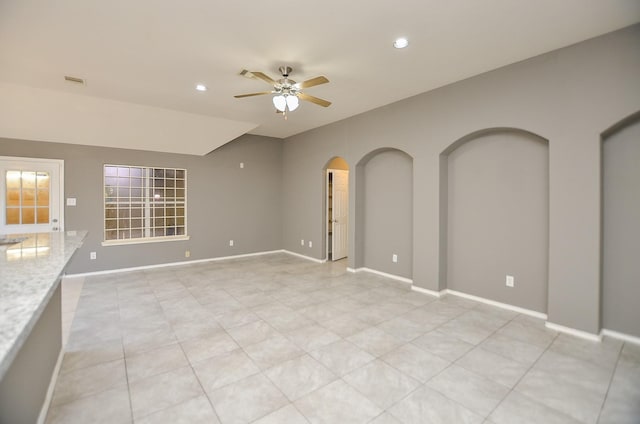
336,209
621,227
384,213
494,217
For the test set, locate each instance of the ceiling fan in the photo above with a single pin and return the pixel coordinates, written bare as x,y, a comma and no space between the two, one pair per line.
287,91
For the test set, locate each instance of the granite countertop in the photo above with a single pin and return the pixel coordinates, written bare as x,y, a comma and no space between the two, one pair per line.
29,273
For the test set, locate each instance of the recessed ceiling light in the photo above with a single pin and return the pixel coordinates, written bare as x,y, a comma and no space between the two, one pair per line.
201,87
401,43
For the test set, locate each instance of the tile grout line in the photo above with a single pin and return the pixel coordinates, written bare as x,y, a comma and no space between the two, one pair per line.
613,373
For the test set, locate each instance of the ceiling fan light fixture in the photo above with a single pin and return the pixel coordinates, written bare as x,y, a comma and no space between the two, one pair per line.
292,102
400,43
280,102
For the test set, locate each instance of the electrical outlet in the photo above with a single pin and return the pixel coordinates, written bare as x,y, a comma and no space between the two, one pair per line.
302,242
310,244
394,258
510,281
93,255
187,253
230,242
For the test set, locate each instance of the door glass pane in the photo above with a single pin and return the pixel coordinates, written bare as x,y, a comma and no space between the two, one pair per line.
13,196
28,215
13,216
28,180
13,188
43,215
28,197
43,197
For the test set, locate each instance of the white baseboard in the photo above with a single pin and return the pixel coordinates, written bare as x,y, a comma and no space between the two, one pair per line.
437,294
501,305
309,258
383,274
196,261
42,416
351,270
573,332
620,336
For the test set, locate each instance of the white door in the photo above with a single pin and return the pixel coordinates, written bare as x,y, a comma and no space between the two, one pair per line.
340,209
31,193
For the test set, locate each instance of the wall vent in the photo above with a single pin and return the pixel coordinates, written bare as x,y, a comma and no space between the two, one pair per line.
74,80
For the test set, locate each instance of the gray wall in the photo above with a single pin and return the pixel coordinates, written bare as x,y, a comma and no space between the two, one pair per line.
569,97
23,388
224,201
386,212
621,230
498,206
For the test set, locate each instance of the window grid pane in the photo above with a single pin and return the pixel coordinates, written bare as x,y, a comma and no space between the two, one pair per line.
142,202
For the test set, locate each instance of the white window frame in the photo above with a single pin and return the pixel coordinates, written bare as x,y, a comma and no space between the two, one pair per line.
146,199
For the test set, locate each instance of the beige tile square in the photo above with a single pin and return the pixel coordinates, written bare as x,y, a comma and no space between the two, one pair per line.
337,403
273,351
476,393
375,341
247,400
108,407
216,343
312,337
285,415
88,381
381,383
342,357
428,406
193,411
224,369
415,362
299,376
162,391
153,362
252,333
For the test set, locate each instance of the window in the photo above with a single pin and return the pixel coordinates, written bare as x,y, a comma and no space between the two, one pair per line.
144,204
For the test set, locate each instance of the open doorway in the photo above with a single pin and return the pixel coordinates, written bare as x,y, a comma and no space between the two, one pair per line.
337,209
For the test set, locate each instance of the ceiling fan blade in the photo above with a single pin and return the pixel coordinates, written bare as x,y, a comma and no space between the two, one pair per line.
312,82
316,100
239,96
264,78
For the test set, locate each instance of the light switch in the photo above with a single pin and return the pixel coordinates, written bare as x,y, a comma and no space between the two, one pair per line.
71,201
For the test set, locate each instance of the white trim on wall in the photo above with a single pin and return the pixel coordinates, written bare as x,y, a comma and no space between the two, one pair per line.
140,268
501,305
620,336
383,274
573,332
309,258
422,290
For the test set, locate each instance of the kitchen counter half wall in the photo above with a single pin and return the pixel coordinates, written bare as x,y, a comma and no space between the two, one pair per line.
29,275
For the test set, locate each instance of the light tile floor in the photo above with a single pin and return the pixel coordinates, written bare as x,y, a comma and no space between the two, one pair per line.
276,339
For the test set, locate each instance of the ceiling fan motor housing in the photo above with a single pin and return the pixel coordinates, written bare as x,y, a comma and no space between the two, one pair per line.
285,70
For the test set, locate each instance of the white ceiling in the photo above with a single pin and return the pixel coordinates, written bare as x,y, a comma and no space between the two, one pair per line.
153,52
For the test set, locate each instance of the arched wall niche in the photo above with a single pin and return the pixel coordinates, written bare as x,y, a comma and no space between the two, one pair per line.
384,212
494,216
620,272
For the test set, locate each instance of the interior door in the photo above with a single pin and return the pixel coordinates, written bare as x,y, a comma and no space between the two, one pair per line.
30,195
340,207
